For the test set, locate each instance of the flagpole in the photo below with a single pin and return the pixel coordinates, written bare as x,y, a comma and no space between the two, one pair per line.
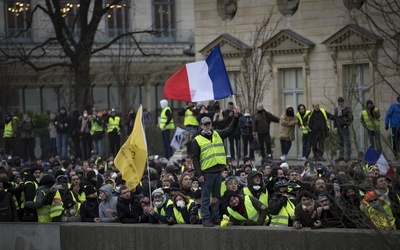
147,158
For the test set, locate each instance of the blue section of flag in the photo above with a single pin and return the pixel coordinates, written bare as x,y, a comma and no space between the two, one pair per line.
219,77
371,156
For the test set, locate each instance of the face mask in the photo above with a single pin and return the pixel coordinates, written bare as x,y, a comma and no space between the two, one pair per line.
376,204
38,179
85,115
203,132
304,207
158,204
180,203
72,211
326,207
256,187
117,189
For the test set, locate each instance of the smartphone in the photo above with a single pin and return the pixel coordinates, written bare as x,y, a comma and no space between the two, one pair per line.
58,187
312,167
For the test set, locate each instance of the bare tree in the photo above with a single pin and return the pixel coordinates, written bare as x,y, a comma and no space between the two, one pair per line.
74,40
255,81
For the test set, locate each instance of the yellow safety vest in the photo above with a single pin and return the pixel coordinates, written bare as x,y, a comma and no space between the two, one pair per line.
161,211
212,153
378,218
164,118
301,120
178,215
252,213
190,119
264,197
23,193
325,116
95,127
8,130
43,212
113,123
282,218
372,124
56,207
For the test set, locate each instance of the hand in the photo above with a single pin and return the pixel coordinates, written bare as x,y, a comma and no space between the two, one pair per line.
310,209
297,225
386,127
201,179
319,210
317,223
96,219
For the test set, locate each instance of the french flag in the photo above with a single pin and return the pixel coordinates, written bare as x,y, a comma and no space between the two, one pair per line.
200,81
374,157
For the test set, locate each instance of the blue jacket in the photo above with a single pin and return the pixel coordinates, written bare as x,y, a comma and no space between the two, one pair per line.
393,115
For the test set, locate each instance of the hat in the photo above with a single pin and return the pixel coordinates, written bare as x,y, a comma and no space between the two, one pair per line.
322,197
369,195
158,191
229,194
205,119
35,168
373,167
90,174
369,102
175,186
154,177
62,179
112,110
228,156
284,165
89,190
340,99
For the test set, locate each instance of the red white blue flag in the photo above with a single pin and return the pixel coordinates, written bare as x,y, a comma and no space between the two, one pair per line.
374,157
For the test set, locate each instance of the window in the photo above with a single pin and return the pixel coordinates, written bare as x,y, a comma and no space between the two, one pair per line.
164,17
17,18
118,19
291,81
357,84
70,10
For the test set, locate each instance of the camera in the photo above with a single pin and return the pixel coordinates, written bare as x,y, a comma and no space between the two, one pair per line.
58,187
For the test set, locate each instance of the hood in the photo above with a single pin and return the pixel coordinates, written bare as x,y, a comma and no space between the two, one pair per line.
163,103
250,176
107,190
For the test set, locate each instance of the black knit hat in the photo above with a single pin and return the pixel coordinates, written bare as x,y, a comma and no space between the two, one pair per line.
89,190
90,174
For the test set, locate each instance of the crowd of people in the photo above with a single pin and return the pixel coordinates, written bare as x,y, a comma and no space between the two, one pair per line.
207,187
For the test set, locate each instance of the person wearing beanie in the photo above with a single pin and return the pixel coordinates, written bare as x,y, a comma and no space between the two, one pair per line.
89,209
378,210
31,184
42,208
370,119
255,187
162,209
166,125
392,121
342,122
246,210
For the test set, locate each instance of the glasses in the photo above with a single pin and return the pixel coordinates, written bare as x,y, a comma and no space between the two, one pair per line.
207,123
372,200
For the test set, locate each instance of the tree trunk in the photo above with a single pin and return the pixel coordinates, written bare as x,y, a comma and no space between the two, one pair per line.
81,88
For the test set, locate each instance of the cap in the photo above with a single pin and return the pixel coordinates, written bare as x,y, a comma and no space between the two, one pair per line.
370,102
322,198
205,119
158,191
340,99
369,195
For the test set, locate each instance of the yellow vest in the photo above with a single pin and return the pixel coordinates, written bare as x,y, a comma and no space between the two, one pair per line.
372,124
23,193
264,197
178,215
252,213
282,218
164,118
113,123
212,153
190,119
43,212
325,116
301,120
8,130
379,219
95,127
161,211
56,207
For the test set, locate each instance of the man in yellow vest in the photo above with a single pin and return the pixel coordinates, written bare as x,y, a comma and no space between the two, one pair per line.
281,207
370,120
10,134
209,159
318,125
166,124
303,115
190,121
114,125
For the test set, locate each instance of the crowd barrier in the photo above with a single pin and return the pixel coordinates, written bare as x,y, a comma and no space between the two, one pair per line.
21,236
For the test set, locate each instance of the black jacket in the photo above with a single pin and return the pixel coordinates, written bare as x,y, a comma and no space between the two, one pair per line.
8,211
130,211
89,211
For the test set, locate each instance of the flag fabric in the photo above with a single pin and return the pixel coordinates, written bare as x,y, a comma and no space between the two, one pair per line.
374,157
178,137
200,81
131,158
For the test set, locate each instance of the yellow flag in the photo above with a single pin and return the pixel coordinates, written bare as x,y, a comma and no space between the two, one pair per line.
131,158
